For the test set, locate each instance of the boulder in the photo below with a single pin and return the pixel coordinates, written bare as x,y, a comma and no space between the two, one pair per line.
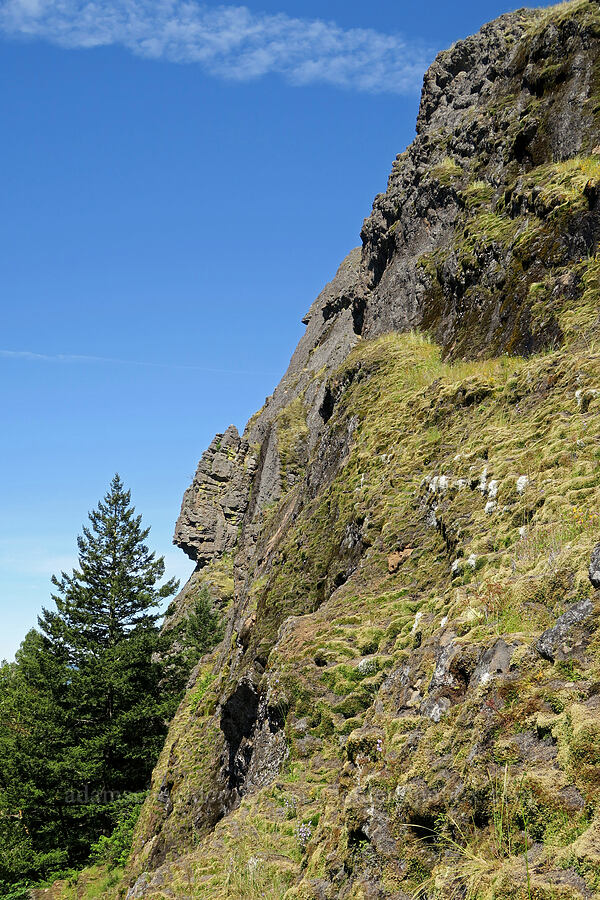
565,639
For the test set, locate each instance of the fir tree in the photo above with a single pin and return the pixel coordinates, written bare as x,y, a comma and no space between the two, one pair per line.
34,746
86,705
106,627
203,628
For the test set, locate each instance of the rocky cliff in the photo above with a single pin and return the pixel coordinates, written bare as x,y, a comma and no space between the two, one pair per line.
407,699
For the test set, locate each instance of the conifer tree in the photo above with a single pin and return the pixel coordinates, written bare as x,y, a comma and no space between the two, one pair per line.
203,628
34,746
106,627
86,705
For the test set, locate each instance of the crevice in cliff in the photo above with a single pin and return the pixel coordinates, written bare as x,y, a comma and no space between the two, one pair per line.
357,838
328,404
333,392
423,826
359,308
256,745
356,305
238,722
333,307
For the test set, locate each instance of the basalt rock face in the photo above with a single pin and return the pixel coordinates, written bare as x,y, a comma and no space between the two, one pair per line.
494,107
404,530
214,505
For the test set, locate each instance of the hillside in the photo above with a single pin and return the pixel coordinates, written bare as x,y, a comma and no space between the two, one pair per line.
407,699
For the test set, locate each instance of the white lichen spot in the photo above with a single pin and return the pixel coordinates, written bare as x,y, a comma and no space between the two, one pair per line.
431,518
472,560
584,397
418,618
485,678
492,490
437,710
522,482
522,531
461,483
438,484
490,506
367,666
483,481
444,622
456,566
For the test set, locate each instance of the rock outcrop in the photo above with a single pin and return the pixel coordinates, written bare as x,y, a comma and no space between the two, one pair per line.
594,569
214,505
411,653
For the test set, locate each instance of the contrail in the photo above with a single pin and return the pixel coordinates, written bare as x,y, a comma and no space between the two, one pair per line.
30,356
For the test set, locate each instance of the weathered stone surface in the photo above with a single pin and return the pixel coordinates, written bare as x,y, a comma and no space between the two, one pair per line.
569,636
494,662
140,887
214,505
594,570
463,119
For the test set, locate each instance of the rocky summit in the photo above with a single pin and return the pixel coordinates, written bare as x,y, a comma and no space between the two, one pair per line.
406,702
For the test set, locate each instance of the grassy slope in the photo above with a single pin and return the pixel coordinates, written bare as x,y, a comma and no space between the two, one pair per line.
421,417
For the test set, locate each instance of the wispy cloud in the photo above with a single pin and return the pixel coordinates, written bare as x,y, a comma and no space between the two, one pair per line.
230,42
31,356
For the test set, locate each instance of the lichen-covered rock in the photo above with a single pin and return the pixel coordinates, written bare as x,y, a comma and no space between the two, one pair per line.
569,636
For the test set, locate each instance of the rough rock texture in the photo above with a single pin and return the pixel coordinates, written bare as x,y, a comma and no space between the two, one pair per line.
214,505
494,107
594,570
411,654
566,639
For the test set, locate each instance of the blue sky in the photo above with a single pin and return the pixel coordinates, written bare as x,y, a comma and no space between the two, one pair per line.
180,180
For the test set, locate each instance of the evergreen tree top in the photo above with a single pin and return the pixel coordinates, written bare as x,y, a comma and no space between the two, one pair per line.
113,590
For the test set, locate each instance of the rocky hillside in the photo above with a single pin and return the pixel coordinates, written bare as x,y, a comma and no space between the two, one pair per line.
407,699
